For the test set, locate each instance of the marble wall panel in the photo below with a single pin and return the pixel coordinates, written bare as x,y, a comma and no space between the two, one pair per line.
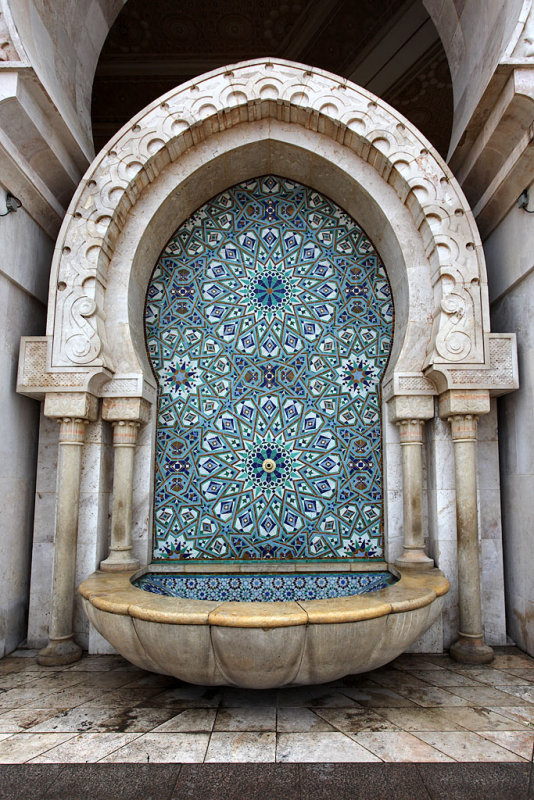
509,258
23,278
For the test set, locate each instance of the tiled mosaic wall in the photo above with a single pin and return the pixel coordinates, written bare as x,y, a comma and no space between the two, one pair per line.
269,323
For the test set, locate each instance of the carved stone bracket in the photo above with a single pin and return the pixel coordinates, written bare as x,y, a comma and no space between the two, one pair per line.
499,375
36,377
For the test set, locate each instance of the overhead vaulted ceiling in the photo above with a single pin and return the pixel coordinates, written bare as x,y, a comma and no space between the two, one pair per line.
388,46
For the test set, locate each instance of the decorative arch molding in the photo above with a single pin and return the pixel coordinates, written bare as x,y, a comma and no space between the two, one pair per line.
76,354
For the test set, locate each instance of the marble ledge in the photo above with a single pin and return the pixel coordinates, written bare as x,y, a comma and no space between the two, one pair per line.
115,594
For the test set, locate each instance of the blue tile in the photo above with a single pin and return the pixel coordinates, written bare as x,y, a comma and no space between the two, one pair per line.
264,588
269,323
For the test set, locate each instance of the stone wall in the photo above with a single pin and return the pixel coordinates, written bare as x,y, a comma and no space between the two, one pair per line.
474,36
63,42
26,255
509,253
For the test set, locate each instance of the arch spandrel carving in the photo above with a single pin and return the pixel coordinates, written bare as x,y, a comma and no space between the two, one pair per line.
308,99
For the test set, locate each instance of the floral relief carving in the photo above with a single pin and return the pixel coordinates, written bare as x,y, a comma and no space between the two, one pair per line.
456,336
294,94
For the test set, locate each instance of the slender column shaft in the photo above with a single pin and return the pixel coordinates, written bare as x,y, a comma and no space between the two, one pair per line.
411,440
470,646
61,648
124,441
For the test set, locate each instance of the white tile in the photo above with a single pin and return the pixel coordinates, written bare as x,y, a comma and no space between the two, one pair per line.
85,748
192,720
22,747
260,718
320,747
300,720
158,748
244,746
398,746
467,746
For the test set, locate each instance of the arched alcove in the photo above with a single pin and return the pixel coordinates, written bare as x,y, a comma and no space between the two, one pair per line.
230,126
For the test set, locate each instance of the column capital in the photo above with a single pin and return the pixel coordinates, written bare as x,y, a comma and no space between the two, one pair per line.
71,405
72,430
125,432
410,406
455,402
463,427
411,431
125,409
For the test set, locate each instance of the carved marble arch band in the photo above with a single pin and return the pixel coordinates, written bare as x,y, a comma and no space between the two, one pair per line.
299,96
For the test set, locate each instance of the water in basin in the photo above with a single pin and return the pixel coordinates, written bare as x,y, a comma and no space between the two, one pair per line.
263,587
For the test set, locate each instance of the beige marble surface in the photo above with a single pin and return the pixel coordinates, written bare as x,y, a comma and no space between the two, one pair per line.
416,709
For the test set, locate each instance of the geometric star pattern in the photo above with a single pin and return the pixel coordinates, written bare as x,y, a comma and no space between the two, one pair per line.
264,588
269,324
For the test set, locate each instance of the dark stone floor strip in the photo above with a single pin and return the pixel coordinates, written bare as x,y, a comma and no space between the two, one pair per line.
362,782
27,780
469,781
489,781
238,782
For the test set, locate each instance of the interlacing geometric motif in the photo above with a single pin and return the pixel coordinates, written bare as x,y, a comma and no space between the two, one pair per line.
269,324
264,588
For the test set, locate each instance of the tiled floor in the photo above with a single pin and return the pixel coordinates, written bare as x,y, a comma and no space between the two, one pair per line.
417,709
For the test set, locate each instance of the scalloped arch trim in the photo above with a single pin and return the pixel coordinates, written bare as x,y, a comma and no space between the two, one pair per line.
246,92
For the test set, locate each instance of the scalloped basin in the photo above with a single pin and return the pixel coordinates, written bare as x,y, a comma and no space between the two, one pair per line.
268,643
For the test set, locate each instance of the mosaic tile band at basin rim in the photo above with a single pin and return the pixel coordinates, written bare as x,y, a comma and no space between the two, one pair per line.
269,322
264,588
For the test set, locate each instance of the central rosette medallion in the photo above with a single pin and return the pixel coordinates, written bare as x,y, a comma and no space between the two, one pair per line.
270,467
271,290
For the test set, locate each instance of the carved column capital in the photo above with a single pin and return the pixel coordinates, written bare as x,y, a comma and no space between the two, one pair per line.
411,431
457,402
72,430
463,427
403,407
125,433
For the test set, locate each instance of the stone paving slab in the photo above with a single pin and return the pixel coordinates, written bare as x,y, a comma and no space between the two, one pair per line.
418,709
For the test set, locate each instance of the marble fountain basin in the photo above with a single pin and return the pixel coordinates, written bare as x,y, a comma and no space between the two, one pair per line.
261,644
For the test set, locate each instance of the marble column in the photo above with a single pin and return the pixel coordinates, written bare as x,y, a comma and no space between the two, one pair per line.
470,647
410,414
126,414
61,648
120,553
411,441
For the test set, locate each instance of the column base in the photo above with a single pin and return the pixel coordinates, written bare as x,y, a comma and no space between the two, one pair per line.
471,651
59,653
415,559
114,564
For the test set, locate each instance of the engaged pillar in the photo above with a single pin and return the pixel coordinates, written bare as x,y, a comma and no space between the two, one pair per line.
61,648
470,647
410,414
126,415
